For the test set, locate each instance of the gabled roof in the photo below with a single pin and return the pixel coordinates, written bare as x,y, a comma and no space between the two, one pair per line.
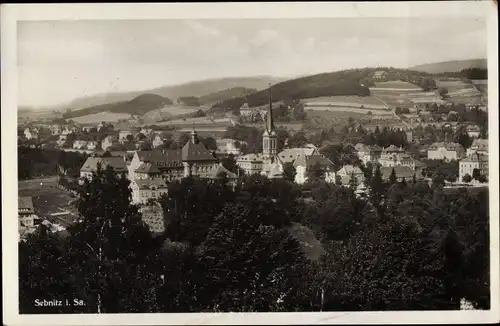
216,173
196,152
25,203
475,157
147,168
401,172
350,169
117,163
448,145
250,158
291,154
151,183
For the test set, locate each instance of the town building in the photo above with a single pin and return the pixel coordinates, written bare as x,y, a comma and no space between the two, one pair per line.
80,144
55,130
402,172
152,215
123,136
92,145
26,212
347,172
31,133
478,146
289,155
228,146
147,189
367,153
246,111
380,75
157,141
272,167
108,141
90,166
471,162
62,140
447,151
303,163
194,159
473,131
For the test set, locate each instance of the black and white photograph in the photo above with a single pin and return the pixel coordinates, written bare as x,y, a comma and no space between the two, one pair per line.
218,160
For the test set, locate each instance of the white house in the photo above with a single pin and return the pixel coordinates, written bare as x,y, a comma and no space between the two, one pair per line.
473,131
91,145
347,172
157,141
122,135
107,142
303,163
478,146
229,146
80,144
445,151
471,162
90,166
31,133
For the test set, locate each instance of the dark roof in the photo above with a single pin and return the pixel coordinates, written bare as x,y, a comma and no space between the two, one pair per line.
150,183
117,163
25,203
401,172
215,174
196,152
162,157
147,168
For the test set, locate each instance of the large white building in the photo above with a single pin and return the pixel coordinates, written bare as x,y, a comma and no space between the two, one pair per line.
472,162
445,151
478,146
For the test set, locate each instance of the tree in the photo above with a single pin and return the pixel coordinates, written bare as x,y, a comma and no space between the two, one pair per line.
467,178
268,280
130,138
476,173
210,143
315,173
289,172
443,92
393,178
482,178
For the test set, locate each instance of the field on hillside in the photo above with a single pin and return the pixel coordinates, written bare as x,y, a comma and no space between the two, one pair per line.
397,85
340,109
344,101
48,199
99,117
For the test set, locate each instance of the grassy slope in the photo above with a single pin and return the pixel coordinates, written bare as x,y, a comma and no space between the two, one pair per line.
451,66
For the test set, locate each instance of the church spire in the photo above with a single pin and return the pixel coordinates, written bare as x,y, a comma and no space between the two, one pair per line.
269,120
194,135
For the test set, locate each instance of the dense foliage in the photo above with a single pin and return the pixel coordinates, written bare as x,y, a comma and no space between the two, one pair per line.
37,162
229,248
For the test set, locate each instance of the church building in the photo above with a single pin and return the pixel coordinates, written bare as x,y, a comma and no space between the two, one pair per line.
268,162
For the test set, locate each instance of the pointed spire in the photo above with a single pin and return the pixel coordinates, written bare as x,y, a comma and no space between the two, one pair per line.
194,135
270,122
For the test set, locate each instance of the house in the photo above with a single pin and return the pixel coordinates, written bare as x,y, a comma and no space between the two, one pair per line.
55,130
471,162
347,172
402,172
108,141
473,131
123,135
250,163
87,128
62,140
31,133
478,146
445,151
380,75
367,153
26,212
92,145
80,144
152,215
146,131
303,163
228,146
90,166
67,131
289,155
246,111
147,189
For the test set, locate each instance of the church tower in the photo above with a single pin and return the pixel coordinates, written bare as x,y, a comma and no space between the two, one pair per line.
270,137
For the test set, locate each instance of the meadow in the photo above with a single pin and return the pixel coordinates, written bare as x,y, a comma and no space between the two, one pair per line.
397,85
101,116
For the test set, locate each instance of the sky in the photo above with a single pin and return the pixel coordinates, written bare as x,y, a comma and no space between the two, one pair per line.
62,60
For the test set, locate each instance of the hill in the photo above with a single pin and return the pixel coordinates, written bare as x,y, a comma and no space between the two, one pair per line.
451,66
344,82
195,88
138,105
226,94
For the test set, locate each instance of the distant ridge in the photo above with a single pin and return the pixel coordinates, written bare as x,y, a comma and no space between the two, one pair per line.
451,66
196,88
